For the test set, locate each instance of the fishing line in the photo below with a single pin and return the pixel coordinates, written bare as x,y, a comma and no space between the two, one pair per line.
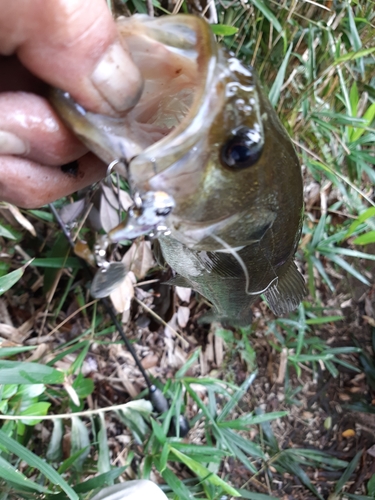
242,264
157,398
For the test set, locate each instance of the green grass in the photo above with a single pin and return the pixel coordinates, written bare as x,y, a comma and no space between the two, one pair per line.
318,66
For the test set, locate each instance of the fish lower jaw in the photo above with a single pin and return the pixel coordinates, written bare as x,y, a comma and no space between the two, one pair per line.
204,236
194,242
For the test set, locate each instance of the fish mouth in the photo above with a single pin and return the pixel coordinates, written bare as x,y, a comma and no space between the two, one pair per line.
190,110
177,58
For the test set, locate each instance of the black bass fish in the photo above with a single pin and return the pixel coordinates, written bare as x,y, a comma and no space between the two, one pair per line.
204,133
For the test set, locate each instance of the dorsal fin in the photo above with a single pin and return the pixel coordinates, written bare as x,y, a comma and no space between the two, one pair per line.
286,294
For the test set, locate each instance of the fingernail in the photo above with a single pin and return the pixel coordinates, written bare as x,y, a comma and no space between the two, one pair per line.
10,144
118,79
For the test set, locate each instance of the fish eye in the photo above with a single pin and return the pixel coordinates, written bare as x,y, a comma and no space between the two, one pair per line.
163,212
243,149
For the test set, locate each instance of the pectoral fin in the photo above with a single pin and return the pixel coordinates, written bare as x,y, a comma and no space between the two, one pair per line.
286,294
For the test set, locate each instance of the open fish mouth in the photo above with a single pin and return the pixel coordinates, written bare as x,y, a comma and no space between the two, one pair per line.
177,57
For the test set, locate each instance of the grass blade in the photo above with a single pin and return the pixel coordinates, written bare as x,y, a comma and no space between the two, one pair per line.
204,473
9,473
34,461
14,372
275,91
348,472
268,14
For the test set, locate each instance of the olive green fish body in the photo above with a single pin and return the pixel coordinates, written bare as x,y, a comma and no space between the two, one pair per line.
204,133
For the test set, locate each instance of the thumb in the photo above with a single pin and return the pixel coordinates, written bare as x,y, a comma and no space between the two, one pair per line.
73,45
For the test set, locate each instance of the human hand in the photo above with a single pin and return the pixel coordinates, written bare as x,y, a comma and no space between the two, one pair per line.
72,45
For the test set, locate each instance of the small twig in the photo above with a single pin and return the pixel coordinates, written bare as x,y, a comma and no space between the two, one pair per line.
150,8
147,282
61,224
282,367
177,6
211,8
85,215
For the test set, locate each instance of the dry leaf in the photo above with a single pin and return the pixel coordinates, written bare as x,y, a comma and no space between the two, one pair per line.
307,414
183,293
150,361
93,219
113,198
179,357
26,328
369,307
209,351
370,321
4,313
139,258
219,349
7,343
111,206
344,397
356,390
183,314
89,365
170,328
108,279
282,366
121,297
38,353
81,249
125,317
109,216
71,392
72,211
347,303
203,363
348,433
199,389
21,219
169,336
128,384
10,332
